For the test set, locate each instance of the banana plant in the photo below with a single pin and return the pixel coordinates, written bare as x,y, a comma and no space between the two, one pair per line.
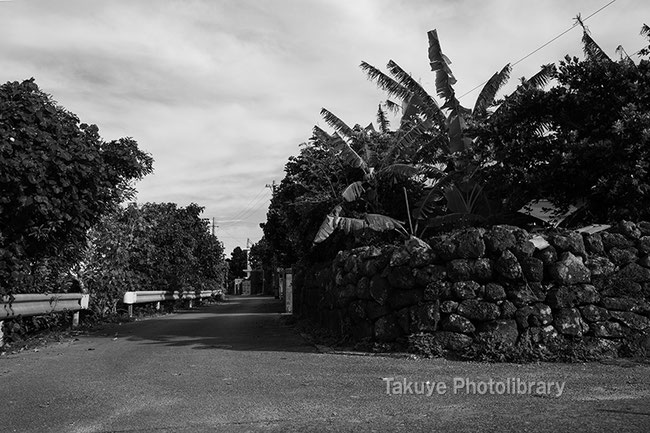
372,168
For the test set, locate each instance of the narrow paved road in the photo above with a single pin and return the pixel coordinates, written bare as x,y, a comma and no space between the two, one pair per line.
235,367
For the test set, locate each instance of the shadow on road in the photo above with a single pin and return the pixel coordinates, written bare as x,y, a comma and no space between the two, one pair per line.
241,323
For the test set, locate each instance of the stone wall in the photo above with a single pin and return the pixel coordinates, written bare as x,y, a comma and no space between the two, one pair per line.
501,282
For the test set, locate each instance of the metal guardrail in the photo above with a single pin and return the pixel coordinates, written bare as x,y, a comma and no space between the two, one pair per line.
41,304
158,296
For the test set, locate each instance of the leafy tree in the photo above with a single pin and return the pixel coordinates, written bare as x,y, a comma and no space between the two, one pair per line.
57,178
156,246
584,141
237,263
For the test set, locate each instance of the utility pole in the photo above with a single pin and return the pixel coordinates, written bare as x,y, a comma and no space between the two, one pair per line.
272,186
213,226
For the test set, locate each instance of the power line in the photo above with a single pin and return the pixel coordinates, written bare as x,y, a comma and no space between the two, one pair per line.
251,208
247,207
543,46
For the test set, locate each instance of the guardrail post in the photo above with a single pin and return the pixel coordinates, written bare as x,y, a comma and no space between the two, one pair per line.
191,303
75,319
158,306
2,341
130,310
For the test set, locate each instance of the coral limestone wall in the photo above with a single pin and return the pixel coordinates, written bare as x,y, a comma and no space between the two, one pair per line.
502,282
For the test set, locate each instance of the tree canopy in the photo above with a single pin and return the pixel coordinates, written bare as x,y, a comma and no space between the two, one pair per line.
57,178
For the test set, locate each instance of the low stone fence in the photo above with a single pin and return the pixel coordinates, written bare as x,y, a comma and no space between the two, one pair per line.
503,283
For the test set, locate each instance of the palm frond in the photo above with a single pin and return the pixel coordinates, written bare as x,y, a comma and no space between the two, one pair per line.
349,225
321,135
385,82
645,31
353,192
392,106
382,223
382,120
440,65
428,105
456,126
328,225
427,204
348,154
591,49
409,134
623,55
488,93
339,126
541,78
403,170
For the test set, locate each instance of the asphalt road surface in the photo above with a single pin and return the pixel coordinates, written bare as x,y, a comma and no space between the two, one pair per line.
236,367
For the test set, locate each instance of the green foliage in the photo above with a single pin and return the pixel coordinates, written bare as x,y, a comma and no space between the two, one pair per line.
585,139
57,178
156,246
237,263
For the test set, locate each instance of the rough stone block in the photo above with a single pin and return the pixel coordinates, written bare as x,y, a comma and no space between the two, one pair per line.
379,289
533,269
480,311
623,256
425,318
401,277
404,298
469,243
449,307
465,289
600,266
568,321
507,310
615,240
593,243
459,270
569,270
499,238
504,331
457,323
631,320
386,329
607,330
454,341
593,313
548,255
522,295
508,267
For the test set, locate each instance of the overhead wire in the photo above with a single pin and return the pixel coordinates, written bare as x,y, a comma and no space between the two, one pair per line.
246,212
542,46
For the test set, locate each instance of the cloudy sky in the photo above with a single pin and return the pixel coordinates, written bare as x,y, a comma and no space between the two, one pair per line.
222,92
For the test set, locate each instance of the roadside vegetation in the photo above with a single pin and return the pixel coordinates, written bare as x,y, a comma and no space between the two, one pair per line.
67,220
574,135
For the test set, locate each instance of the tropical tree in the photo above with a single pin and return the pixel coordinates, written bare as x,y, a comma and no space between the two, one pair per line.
450,131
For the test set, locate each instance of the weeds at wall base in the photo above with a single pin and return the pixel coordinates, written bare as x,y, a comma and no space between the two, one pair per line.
493,350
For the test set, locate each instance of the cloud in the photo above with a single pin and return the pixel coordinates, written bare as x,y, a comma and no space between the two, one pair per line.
222,93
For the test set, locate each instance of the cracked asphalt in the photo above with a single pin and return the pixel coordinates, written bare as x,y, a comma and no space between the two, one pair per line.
237,367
